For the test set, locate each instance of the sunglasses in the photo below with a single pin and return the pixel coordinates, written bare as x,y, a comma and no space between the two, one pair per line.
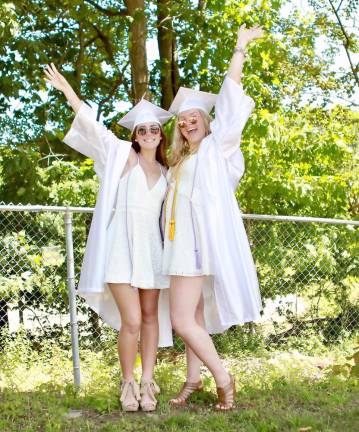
153,130
183,123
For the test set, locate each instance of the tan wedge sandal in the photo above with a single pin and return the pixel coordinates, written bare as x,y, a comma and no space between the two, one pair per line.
226,395
150,389
130,395
186,391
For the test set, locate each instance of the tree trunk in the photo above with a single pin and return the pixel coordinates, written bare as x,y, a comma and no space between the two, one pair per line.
137,48
168,53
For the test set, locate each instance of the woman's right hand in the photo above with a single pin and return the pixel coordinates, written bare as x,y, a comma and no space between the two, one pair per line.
54,78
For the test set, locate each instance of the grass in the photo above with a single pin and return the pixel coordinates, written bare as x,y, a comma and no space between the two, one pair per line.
277,391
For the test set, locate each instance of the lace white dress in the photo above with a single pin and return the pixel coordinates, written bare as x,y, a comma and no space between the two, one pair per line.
134,254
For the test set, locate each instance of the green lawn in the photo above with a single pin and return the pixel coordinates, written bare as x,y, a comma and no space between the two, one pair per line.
277,391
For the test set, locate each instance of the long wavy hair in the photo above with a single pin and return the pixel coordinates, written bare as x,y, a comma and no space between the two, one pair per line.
180,146
161,150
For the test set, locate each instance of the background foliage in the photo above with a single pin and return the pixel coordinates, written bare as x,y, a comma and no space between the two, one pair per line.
300,145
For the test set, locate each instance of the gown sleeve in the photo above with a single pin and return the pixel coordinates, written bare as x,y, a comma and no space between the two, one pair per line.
232,110
91,138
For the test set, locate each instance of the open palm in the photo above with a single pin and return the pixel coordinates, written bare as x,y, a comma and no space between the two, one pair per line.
246,35
54,78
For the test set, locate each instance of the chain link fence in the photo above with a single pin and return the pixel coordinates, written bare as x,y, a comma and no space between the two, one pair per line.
307,268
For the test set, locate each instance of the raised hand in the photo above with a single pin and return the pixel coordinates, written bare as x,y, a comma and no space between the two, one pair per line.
246,35
54,78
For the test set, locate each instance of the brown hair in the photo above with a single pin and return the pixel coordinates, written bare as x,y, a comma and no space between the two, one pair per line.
161,149
180,146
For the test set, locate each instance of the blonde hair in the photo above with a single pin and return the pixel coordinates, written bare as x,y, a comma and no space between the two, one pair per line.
180,146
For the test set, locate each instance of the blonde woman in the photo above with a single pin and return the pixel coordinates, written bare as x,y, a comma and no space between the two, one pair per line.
206,252
121,273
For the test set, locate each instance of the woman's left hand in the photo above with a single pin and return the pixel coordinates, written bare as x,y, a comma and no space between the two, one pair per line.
246,35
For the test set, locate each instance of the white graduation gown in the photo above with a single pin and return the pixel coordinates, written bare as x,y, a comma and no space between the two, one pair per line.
110,155
234,297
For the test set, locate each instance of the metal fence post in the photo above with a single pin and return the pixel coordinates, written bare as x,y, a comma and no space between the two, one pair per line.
72,297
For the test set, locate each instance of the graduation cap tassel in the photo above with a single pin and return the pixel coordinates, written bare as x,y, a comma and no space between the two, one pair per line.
172,226
172,229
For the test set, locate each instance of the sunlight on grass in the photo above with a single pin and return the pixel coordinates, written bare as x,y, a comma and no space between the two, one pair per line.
277,390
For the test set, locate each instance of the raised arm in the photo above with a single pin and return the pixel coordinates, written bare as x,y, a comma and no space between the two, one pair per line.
58,81
87,135
244,37
233,107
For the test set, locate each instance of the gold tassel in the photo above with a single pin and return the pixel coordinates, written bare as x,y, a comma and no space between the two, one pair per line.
171,233
172,229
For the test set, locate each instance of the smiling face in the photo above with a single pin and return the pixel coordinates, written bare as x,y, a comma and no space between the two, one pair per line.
148,135
192,126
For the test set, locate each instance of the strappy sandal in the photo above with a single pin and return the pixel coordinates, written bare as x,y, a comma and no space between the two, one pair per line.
149,388
130,395
226,395
186,391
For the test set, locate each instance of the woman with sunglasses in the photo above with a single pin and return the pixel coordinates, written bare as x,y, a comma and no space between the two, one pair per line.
121,273
206,252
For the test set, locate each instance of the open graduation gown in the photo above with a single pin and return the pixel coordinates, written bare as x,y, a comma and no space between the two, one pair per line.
232,295
110,155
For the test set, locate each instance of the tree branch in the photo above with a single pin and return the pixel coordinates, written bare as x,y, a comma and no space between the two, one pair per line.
113,91
90,41
108,12
340,5
346,42
202,5
351,103
106,42
80,58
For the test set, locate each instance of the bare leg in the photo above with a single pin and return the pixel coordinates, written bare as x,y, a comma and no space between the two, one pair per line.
193,380
149,344
149,330
128,303
193,362
185,294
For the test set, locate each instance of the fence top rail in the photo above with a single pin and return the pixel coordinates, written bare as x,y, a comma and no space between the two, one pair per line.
62,209
42,208
301,219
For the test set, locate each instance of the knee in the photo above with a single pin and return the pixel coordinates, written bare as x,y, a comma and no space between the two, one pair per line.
132,326
149,316
180,324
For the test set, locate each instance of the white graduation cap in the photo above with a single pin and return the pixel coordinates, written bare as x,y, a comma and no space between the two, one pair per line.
187,99
144,112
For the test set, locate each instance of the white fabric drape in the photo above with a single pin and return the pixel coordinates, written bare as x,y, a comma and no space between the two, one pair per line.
220,167
110,155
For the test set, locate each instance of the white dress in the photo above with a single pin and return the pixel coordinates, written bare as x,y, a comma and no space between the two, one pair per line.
180,257
134,253
208,210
